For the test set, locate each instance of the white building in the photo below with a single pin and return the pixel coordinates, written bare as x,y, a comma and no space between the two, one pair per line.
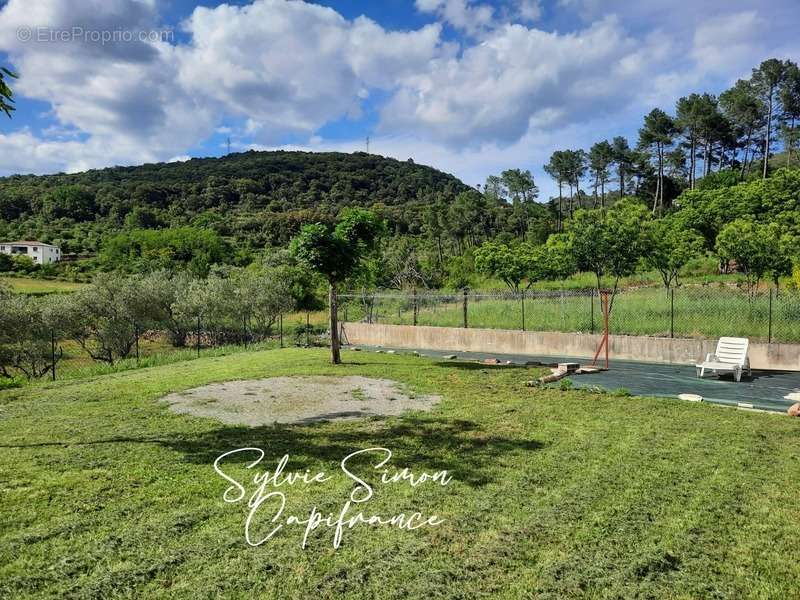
42,254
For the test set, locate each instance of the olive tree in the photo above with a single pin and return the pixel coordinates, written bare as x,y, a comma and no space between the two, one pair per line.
161,290
335,253
103,318
27,330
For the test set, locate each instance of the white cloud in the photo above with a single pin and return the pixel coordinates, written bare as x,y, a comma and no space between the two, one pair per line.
727,40
292,66
506,95
461,14
520,77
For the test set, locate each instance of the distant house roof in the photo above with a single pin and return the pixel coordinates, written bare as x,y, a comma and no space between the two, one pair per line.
27,243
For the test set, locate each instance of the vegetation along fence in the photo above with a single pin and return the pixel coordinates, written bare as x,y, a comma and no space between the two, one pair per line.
686,311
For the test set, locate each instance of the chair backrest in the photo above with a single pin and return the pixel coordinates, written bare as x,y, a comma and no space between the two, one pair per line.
732,350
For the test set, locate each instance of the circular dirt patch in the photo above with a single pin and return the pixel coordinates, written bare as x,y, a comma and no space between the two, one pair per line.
297,400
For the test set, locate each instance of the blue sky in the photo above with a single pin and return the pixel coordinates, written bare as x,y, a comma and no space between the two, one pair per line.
469,86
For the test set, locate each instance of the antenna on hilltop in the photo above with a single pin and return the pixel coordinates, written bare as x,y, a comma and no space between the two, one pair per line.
229,145
367,144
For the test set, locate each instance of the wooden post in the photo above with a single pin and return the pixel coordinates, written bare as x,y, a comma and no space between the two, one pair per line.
334,309
604,340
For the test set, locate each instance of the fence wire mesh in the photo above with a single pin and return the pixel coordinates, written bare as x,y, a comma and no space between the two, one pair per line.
704,312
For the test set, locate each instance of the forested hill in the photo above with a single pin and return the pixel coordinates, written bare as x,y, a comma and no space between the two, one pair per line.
259,197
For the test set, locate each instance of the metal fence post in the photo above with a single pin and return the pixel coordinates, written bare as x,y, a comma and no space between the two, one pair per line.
197,337
415,306
136,337
591,311
308,326
672,313
53,352
522,298
465,308
769,327
280,328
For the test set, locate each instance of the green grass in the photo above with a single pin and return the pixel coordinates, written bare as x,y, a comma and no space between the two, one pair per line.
699,312
29,285
556,494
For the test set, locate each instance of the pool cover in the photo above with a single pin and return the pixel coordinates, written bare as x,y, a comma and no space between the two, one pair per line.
765,390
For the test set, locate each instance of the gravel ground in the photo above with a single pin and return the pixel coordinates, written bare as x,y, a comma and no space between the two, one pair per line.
298,400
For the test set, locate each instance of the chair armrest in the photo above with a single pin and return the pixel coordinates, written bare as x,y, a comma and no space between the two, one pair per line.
711,357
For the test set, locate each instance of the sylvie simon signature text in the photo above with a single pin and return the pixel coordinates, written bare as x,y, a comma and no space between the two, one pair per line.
266,491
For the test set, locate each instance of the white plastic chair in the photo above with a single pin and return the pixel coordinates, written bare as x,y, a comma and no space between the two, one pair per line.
730,357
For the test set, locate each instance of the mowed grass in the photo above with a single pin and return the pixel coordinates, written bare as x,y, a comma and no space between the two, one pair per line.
556,494
29,285
697,312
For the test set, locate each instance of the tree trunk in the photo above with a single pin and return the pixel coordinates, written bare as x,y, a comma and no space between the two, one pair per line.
769,131
659,182
661,177
332,302
560,206
602,192
693,163
621,182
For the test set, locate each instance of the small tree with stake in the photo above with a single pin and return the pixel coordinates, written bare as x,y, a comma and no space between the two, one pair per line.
335,253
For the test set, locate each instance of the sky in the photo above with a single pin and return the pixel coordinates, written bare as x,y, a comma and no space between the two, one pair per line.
471,87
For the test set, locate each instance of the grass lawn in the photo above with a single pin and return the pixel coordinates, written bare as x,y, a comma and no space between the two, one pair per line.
556,494
30,285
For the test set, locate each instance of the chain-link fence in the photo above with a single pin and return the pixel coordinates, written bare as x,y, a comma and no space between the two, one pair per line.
686,311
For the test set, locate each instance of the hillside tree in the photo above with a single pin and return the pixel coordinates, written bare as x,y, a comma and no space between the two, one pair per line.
335,253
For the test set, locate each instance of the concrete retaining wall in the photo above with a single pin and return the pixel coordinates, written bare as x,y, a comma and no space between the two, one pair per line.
783,357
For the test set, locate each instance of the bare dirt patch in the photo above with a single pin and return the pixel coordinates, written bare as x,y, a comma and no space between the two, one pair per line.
303,399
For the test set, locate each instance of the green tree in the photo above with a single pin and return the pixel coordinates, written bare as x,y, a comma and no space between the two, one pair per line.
670,246
513,265
6,95
609,243
336,253
522,191
790,100
755,248
103,318
743,108
558,169
601,155
657,134
767,79
26,330
623,159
